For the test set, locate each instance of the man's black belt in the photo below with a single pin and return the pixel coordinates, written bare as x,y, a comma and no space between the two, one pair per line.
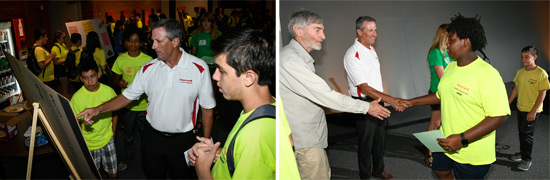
166,134
368,99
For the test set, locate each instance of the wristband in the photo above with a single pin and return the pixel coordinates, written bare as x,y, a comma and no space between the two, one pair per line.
464,140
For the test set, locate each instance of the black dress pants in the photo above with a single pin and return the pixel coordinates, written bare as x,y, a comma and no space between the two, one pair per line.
372,143
163,154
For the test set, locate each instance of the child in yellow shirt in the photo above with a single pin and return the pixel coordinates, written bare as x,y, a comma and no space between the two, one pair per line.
531,86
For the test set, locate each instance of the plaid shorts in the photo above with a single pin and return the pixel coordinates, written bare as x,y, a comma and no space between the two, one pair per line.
107,156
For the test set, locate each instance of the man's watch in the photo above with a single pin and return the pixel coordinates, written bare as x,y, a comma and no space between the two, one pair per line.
464,140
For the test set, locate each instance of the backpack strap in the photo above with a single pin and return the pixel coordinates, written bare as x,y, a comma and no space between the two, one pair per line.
264,111
33,49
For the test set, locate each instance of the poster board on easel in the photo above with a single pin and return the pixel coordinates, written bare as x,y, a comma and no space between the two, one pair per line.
85,26
60,122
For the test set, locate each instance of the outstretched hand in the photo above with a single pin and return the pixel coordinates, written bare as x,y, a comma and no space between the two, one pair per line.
377,110
405,103
87,115
397,104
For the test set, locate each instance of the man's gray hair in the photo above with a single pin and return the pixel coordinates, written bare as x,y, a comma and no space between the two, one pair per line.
172,27
303,18
359,22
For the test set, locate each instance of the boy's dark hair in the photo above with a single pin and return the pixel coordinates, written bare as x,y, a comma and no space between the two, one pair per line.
110,19
469,28
172,27
75,37
39,33
85,66
248,49
153,18
531,49
131,31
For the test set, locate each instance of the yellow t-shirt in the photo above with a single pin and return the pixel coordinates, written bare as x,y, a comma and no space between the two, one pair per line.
61,52
468,95
42,55
288,169
253,153
529,84
100,59
100,132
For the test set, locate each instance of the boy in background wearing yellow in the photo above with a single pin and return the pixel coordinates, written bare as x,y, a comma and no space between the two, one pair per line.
531,86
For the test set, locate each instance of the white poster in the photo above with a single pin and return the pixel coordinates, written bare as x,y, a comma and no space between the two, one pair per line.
97,25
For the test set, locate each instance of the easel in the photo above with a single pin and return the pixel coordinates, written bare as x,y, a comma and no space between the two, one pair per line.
38,112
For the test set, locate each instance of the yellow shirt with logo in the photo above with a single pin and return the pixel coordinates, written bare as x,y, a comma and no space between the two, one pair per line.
468,95
42,55
529,84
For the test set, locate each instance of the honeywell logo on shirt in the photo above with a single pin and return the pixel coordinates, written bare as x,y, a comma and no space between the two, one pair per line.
461,90
187,81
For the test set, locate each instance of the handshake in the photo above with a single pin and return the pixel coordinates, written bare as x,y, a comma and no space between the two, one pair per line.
381,112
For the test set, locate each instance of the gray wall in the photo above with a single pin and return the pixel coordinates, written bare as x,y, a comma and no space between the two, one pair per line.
406,30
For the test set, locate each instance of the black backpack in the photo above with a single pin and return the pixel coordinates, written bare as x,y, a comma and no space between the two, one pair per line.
264,111
70,64
87,55
32,64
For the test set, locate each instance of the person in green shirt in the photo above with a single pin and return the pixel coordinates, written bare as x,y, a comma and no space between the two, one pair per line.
438,59
245,60
474,103
206,32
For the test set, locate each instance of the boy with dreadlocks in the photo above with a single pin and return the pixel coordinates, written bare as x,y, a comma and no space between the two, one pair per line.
473,105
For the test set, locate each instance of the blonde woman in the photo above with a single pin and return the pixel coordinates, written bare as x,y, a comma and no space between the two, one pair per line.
438,59
206,32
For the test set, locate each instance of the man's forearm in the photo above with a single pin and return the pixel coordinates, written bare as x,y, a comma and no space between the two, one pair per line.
425,100
375,94
114,104
207,121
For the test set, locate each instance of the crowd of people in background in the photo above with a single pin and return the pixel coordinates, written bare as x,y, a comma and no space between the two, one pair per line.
135,46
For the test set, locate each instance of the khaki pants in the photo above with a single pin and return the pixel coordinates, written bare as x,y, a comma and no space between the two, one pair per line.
312,163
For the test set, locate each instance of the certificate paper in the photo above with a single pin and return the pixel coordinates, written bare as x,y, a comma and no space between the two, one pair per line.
428,138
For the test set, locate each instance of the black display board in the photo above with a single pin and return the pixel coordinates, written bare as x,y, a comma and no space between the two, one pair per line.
61,119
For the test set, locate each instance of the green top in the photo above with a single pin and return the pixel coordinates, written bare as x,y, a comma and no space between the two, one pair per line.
254,151
128,66
436,59
100,132
468,95
202,42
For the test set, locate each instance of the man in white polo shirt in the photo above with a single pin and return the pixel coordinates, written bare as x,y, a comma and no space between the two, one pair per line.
365,83
176,84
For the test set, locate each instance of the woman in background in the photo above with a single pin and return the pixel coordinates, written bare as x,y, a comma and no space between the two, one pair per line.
438,59
202,36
